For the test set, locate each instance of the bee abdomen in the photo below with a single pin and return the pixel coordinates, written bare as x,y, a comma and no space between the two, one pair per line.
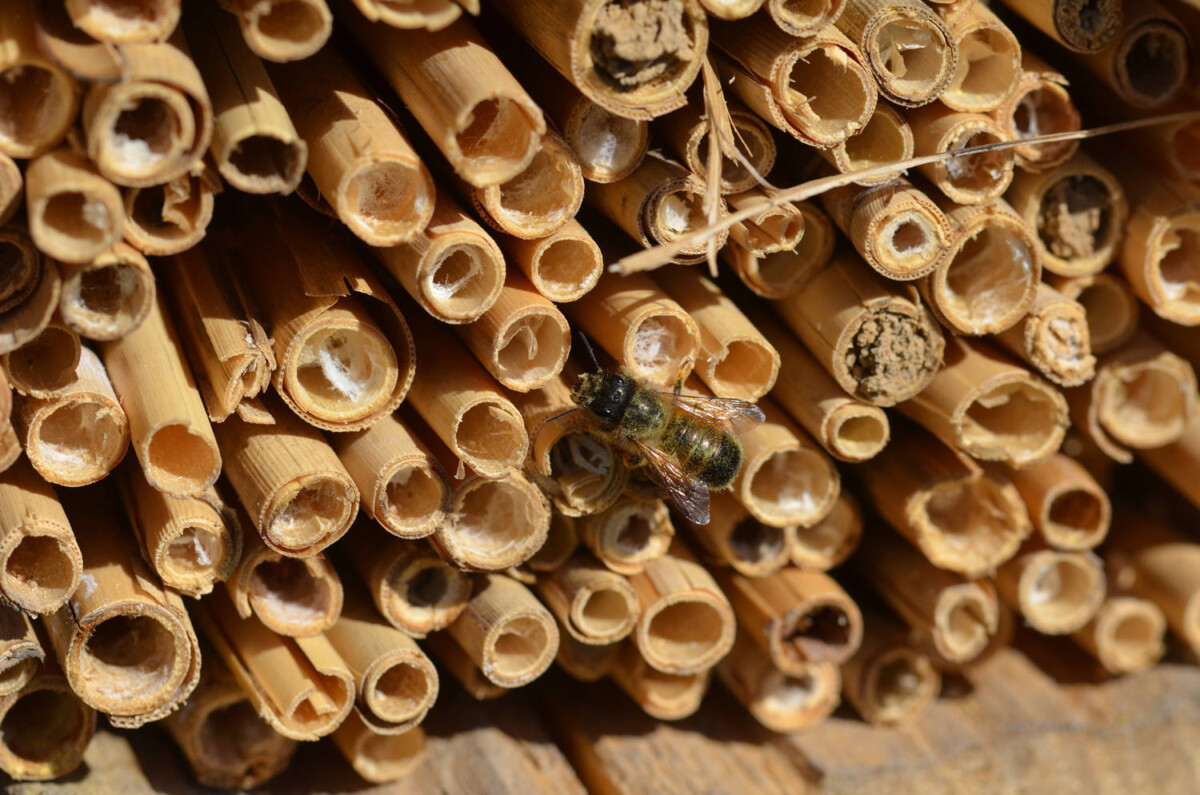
707,453
724,464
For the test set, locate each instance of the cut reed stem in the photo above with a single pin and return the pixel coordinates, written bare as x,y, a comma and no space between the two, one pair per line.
74,213
108,297
660,695
38,99
781,702
283,30
41,559
506,632
1056,592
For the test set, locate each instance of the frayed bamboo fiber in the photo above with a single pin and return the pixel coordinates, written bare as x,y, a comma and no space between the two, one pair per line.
21,652
1053,338
395,683
895,228
1142,397
1110,309
126,644
1147,65
969,179
688,134
948,615
686,624
1068,507
162,220
885,138
562,266
772,230
736,539
629,535
299,686
414,589
660,695
1125,635
41,559
74,213
816,88
458,664
595,605
44,728
1056,592
1078,25
989,62
847,316
887,681
453,268
634,61
38,99
781,702
506,632
783,273
256,148
829,542
908,47
291,483
428,14
561,543
493,524
962,518
987,406
540,199
586,662
29,289
1039,105
12,188
109,296
45,366
379,758
805,17
125,23
283,30
296,597
226,744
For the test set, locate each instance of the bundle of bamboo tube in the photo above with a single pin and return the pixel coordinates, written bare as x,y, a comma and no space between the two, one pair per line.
358,464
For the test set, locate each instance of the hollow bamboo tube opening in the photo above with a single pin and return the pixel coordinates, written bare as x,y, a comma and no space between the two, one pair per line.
494,524
895,686
284,30
804,17
21,652
541,198
506,632
969,525
629,535
897,229
785,479
29,289
825,92
964,621
44,730
523,340
1056,592
689,135
734,538
1068,507
129,657
40,561
379,758
609,147
46,365
830,541
140,132
1079,25
660,695
162,220
782,273
1125,635
74,213
684,628
563,266
385,199
966,179
1110,308
886,138
1150,61
125,21
781,702
38,100
109,296
290,596
593,604
773,229
1040,105
12,188
908,47
989,62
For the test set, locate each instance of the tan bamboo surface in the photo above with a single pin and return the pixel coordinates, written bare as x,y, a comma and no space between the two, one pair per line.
686,623
379,758
74,213
166,219
780,701
45,366
168,425
563,266
1068,507
772,229
1110,309
1056,592
109,296
829,542
429,14
1147,65
736,539
493,523
802,17
561,543
125,643
1143,397
296,597
12,188
47,728
540,199
595,605
586,662
628,536
1040,104
909,48
145,21
506,632
299,686
948,615
1125,635
21,652
78,53
1167,146
456,662
688,134
846,316
226,744
660,695
414,589
783,273
298,494
395,683
970,179
29,291
885,138
633,63
962,518
254,143
731,9
39,98
896,228
1053,338
989,61
817,88
42,562
887,681
1064,21
283,30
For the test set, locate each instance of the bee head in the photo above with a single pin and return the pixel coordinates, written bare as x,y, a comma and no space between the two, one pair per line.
586,388
604,394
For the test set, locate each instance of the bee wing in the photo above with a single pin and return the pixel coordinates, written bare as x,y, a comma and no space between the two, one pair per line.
741,414
689,494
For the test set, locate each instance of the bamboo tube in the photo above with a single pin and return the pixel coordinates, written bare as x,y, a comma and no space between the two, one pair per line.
688,135
458,664
431,14
586,662
162,220
829,542
630,535
38,99
990,408
1001,639
731,9
988,276
493,524
734,538
1147,65
41,559
970,179
817,88
10,448
950,616
1070,510
561,543
226,744
123,23
1040,105
1054,338
640,326
989,62
660,695
256,148
289,480
964,519
403,486
783,273
126,644
1056,592
1078,26
539,200
29,289
1142,397
414,589
506,632
562,266
44,728
804,17
1125,635
74,213
283,30
299,686
464,98
1110,308
108,297
774,229
21,652
686,624
885,138
848,317
781,702
296,597
395,683
595,605
81,55
379,758
908,47
888,682
634,61
1168,146
12,188
45,366
454,269
658,203
1175,462
156,123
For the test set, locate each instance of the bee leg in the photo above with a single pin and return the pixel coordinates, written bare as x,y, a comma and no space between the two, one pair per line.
679,374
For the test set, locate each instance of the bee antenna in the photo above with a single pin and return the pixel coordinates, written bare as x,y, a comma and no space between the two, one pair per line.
590,350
